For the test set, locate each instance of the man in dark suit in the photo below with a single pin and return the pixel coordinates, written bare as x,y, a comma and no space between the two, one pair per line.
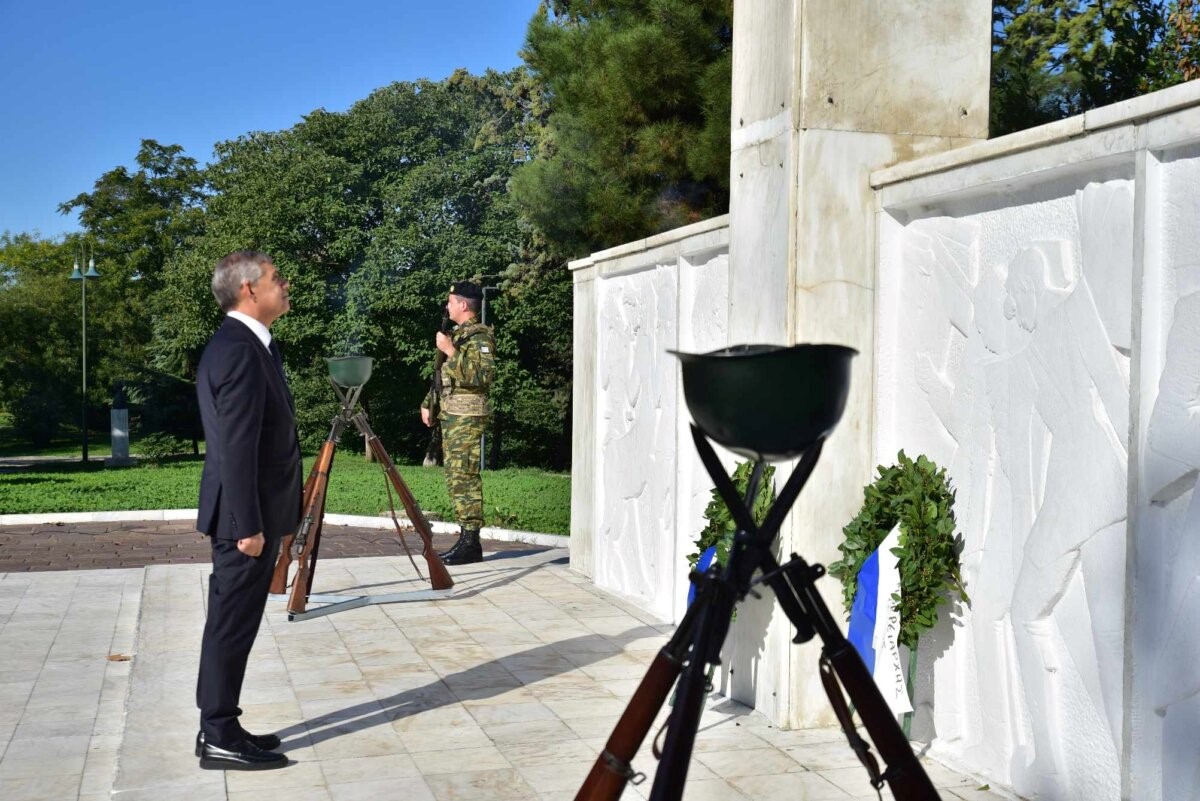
250,496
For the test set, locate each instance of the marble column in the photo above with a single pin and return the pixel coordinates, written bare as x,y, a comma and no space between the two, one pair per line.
824,92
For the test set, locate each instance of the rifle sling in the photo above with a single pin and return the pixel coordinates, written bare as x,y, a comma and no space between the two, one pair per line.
399,531
860,747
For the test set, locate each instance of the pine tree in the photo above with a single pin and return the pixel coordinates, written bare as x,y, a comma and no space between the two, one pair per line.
638,137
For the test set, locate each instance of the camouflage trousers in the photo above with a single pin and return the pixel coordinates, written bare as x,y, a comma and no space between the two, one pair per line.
461,454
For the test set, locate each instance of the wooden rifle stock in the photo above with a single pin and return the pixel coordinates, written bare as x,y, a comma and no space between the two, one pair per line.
284,562
612,770
308,533
439,577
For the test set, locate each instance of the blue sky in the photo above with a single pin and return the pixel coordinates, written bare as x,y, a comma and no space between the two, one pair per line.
82,83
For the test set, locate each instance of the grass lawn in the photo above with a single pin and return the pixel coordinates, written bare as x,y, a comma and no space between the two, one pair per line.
523,499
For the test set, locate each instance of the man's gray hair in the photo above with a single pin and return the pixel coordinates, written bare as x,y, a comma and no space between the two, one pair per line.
231,271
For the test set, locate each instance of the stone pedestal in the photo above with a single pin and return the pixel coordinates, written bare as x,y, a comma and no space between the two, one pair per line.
120,440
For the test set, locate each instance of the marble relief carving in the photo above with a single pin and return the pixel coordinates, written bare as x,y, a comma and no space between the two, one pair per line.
636,437
1021,365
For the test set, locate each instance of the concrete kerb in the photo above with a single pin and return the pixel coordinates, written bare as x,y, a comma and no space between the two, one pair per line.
362,521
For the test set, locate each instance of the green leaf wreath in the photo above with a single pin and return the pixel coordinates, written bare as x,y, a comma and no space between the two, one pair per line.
917,495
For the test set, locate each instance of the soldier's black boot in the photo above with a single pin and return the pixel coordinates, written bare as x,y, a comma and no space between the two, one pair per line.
453,549
468,552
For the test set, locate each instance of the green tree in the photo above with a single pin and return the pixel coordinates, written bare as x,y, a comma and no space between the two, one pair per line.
638,137
137,223
1056,58
371,214
139,220
39,336
1181,44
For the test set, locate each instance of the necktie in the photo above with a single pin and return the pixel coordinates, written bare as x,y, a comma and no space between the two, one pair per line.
277,358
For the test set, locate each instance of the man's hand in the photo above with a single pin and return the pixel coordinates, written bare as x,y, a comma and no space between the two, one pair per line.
252,546
445,344
425,417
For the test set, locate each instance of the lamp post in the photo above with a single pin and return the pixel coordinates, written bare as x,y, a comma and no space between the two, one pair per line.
82,278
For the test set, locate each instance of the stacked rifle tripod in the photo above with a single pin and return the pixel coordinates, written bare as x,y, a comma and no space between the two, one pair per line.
348,375
799,394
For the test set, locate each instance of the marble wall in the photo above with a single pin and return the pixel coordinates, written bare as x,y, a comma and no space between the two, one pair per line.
1008,360
645,488
1038,333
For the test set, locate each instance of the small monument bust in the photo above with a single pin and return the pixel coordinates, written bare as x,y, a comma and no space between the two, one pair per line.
119,417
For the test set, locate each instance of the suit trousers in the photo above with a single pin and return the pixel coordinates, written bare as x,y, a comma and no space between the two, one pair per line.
237,596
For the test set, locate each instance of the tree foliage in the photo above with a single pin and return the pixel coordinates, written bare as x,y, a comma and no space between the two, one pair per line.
39,335
1056,58
371,214
638,137
136,223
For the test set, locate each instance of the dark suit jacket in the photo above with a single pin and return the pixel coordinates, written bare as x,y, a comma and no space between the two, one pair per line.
251,480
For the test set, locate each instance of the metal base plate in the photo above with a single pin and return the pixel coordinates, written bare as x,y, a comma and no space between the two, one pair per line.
340,603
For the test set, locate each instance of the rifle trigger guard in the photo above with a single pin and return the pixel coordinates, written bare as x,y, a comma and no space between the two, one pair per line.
622,768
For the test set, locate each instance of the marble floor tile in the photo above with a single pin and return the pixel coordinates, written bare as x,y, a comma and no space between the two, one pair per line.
535,731
457,760
502,785
307,793
852,781
559,777
416,742
522,755
578,707
789,787
747,762
971,793
823,756
355,769
296,774
346,742
497,714
50,786
178,791
434,719
44,756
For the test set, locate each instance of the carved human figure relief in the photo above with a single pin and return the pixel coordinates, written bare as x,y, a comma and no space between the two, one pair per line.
1057,406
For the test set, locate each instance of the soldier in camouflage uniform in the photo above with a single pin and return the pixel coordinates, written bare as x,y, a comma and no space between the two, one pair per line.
463,412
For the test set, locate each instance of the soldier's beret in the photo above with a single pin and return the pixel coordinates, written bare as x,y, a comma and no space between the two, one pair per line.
466,289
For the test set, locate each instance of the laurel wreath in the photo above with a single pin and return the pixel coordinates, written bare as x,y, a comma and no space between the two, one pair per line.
916,494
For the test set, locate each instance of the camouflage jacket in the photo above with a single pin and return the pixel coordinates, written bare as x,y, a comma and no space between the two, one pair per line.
468,374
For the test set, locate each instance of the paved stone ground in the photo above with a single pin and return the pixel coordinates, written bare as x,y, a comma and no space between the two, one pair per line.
506,688
85,546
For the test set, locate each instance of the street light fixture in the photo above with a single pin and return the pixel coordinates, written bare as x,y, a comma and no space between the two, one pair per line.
82,278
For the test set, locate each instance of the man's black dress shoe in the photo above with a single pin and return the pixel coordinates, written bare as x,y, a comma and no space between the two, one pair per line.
239,756
267,742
